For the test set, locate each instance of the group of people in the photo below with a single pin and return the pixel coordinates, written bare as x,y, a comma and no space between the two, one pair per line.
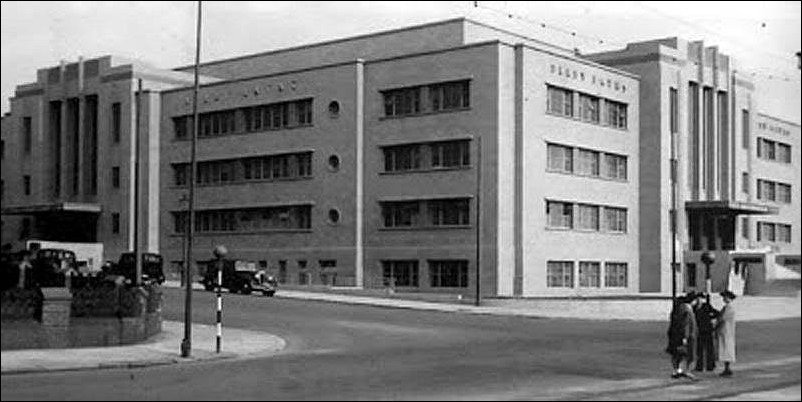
700,334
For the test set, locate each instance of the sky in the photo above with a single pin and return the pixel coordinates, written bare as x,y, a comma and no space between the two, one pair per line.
762,36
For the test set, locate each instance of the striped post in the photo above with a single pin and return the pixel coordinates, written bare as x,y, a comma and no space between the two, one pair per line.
219,304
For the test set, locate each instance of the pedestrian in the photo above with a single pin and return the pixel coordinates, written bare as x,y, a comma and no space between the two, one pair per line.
725,333
705,344
25,269
682,333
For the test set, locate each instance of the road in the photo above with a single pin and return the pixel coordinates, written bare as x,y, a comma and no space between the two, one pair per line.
346,352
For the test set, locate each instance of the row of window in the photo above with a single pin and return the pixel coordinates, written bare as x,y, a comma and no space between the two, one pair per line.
774,232
247,220
773,150
427,98
436,155
560,274
586,162
589,108
272,116
773,191
442,212
569,215
442,273
271,167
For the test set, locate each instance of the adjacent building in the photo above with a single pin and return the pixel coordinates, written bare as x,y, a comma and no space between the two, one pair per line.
421,158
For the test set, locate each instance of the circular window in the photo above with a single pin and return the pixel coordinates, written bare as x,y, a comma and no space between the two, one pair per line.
334,163
334,216
334,108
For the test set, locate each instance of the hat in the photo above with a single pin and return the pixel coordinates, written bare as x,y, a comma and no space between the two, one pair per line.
728,294
689,297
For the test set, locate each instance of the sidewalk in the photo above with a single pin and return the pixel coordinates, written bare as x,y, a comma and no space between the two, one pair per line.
749,308
161,349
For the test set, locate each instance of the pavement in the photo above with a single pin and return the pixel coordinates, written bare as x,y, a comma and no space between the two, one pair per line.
161,349
748,308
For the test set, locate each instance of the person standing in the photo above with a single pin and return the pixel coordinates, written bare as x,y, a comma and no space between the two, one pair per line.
682,333
705,346
725,333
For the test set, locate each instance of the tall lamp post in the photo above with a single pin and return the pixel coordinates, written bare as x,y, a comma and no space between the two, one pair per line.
708,258
220,253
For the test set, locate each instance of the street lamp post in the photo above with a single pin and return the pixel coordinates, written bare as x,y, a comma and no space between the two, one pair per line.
708,258
220,253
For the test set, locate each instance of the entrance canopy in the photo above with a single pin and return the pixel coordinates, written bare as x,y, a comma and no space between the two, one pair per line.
78,207
728,207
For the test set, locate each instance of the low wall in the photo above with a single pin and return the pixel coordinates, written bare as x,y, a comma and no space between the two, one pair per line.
57,328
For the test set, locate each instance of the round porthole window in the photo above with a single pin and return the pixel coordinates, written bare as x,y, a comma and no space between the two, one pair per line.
334,109
334,216
334,163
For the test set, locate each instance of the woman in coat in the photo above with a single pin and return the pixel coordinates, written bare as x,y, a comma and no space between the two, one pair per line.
682,333
725,333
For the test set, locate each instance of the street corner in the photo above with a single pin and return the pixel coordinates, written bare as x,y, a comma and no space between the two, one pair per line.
235,343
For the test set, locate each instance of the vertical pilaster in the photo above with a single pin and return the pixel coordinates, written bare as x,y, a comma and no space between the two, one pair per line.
359,115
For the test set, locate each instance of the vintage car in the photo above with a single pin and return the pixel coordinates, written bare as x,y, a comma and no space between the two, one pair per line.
239,276
152,268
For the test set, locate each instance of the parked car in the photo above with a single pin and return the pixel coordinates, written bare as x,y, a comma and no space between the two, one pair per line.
239,276
152,267
50,265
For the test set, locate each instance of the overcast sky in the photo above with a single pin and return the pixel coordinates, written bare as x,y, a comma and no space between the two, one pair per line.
762,36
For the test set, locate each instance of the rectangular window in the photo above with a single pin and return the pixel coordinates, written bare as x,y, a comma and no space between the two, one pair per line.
765,231
783,233
587,163
784,193
115,177
448,273
181,174
27,134
560,158
115,222
589,274
560,101
588,217
402,102
589,108
745,228
400,273
450,154
116,123
453,212
745,182
783,153
615,275
560,214
616,114
560,274
449,96
401,214
745,128
616,219
690,274
26,184
402,158
249,220
693,132
616,166
674,102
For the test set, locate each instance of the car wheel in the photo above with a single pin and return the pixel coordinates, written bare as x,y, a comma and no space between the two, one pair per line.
246,289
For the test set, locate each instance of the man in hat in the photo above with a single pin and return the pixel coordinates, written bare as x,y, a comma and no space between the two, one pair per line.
705,345
725,333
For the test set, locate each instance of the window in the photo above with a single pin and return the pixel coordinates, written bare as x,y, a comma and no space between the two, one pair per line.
25,230
116,122
765,231
402,158
783,153
615,275
334,109
560,101
327,263
745,227
400,214
589,108
693,133
560,274
292,217
453,212
560,158
616,166
616,114
588,217
690,274
334,216
766,190
616,219
745,182
26,184
115,222
674,102
745,128
560,214
115,177
181,174
27,134
784,193
400,273
402,102
587,162
448,273
449,96
589,274
783,233
450,154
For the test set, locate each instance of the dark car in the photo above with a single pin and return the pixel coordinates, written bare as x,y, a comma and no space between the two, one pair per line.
152,267
238,276
50,265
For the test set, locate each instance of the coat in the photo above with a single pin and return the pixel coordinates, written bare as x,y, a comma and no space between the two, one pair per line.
725,334
682,326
